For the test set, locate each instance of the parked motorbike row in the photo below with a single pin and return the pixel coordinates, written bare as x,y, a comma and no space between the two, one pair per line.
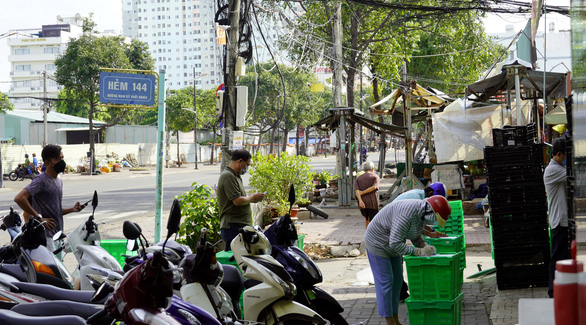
165,283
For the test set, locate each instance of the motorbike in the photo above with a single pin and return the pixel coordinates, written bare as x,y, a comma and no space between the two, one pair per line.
27,259
202,275
21,172
282,235
269,289
145,291
11,223
84,243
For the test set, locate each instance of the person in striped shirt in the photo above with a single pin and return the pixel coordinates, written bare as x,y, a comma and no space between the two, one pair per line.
385,240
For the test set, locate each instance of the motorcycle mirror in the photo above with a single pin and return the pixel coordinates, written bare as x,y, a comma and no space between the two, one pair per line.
59,235
291,197
130,230
131,245
174,218
103,291
95,200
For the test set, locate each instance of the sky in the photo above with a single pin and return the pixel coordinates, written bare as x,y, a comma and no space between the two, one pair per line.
17,14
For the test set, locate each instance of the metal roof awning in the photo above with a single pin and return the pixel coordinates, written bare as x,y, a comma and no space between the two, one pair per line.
555,83
355,116
85,128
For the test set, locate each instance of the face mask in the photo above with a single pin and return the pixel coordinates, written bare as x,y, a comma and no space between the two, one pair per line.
564,162
244,170
60,166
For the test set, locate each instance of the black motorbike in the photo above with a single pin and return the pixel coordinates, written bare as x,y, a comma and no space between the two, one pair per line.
21,172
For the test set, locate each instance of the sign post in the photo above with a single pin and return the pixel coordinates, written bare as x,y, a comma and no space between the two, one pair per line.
160,147
138,89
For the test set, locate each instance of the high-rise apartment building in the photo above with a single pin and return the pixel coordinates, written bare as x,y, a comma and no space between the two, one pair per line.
181,36
32,60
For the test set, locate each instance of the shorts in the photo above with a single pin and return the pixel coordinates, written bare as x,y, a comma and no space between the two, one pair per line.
368,214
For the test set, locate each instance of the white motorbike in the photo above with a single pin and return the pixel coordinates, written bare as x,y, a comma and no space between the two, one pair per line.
84,243
202,275
269,288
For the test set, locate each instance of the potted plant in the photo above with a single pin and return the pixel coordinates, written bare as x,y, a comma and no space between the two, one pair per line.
334,181
274,175
324,177
303,202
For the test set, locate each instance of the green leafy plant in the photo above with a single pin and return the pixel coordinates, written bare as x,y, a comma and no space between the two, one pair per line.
324,176
275,175
199,210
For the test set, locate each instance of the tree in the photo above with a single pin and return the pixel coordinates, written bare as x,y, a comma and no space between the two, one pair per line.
5,104
180,116
268,112
78,71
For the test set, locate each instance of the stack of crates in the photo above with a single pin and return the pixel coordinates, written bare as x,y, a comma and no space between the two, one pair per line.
435,282
435,289
518,215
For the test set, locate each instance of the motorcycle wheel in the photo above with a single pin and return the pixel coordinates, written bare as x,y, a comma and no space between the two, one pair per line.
12,176
332,318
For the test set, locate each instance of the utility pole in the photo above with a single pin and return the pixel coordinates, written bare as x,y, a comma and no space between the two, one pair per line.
344,193
45,109
194,120
230,82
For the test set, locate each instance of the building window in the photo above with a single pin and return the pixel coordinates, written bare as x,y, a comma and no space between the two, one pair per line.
51,50
50,66
22,51
22,67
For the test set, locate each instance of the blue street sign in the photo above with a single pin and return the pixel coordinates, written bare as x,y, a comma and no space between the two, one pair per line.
127,89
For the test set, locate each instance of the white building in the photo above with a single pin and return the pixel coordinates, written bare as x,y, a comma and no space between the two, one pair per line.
181,36
33,53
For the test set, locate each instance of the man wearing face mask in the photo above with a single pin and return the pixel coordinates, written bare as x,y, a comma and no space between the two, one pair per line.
42,197
233,202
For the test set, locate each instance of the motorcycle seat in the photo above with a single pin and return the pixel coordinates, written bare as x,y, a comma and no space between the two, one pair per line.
233,282
14,270
50,292
61,307
11,317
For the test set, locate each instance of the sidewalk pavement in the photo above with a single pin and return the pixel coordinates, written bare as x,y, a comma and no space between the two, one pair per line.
483,303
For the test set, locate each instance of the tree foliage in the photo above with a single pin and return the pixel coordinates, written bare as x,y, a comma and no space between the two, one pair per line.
443,49
5,104
78,71
267,113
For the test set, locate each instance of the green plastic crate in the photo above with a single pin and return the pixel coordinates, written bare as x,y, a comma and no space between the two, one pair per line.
455,224
300,239
437,277
117,248
449,245
441,312
224,258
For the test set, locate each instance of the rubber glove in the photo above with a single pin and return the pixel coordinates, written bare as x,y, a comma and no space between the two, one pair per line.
428,250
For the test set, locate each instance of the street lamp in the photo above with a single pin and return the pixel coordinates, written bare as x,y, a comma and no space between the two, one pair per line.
195,114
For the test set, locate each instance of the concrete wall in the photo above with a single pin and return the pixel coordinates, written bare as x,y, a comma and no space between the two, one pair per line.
131,134
145,153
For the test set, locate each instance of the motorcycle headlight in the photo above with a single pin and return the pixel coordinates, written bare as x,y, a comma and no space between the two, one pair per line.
289,288
311,268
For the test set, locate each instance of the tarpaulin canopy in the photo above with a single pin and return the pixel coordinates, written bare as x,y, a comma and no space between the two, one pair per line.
555,83
355,116
557,116
419,98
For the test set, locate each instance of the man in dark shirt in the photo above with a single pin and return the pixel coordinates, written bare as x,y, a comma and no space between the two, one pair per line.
42,197
366,189
234,204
